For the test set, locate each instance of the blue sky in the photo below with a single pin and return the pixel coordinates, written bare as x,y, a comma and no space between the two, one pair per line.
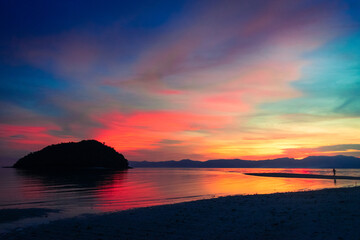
162,80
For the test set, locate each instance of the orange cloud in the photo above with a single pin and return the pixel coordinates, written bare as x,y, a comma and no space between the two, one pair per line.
143,130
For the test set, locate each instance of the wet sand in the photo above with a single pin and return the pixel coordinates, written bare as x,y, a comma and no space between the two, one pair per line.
297,175
14,214
322,214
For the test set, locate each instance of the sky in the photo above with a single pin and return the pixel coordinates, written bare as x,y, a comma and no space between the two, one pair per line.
169,80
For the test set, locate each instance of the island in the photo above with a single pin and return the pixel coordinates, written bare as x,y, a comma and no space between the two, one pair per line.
74,155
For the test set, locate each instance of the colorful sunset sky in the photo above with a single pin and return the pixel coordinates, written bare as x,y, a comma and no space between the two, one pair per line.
168,80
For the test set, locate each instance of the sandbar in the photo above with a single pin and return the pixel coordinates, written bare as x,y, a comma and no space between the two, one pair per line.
297,175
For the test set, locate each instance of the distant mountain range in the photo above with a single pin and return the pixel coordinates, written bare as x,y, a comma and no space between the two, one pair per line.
308,162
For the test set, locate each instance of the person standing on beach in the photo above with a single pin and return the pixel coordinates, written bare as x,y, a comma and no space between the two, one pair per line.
334,171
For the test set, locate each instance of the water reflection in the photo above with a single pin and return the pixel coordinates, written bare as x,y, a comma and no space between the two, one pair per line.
81,192
121,193
104,190
236,183
72,191
87,179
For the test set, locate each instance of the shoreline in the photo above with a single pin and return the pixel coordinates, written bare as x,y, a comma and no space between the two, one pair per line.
328,213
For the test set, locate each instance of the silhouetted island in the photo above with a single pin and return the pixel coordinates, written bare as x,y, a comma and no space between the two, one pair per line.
74,155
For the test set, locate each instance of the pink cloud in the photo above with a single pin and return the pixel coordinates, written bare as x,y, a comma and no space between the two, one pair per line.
68,54
198,80
170,92
29,137
144,130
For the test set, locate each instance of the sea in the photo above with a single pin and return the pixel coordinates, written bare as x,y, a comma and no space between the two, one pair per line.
78,193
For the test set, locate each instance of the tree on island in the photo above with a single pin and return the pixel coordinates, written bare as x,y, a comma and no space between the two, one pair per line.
74,155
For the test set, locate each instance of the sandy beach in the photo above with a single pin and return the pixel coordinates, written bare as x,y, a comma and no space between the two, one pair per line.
322,214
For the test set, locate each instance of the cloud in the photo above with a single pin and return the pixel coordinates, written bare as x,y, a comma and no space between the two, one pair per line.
330,150
163,154
148,130
340,147
208,35
170,142
18,140
19,136
202,76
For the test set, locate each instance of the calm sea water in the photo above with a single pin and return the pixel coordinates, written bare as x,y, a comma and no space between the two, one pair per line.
105,191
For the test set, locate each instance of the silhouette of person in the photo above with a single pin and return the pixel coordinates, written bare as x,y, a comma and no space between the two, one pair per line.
334,171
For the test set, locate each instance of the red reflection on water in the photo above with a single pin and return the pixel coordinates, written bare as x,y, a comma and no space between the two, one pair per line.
31,190
14,188
119,194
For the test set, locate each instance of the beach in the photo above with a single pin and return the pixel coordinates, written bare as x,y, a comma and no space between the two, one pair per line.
321,214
